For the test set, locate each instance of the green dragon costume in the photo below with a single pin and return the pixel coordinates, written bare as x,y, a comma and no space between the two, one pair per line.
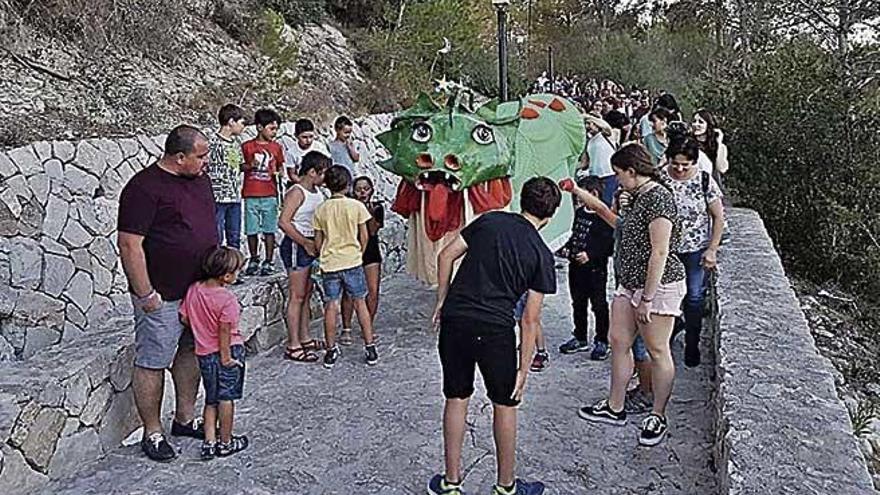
458,161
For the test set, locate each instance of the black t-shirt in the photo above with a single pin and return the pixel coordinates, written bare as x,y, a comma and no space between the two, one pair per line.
505,258
175,215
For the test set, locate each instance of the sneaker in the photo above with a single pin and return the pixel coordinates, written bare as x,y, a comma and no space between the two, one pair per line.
268,268
574,345
439,486
193,429
600,351
209,450
654,430
331,356
637,402
235,445
370,355
157,447
520,487
540,362
601,413
253,267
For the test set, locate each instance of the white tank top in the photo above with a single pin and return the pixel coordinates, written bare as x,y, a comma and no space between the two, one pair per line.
304,215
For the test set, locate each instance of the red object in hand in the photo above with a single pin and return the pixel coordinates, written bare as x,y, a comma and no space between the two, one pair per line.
566,185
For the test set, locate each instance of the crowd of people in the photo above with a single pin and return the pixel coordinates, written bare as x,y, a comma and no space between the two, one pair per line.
647,196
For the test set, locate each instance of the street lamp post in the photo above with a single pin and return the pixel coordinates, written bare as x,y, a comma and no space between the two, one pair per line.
501,7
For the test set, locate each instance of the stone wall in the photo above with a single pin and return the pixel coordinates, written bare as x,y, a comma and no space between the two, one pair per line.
781,427
66,340
60,276
71,403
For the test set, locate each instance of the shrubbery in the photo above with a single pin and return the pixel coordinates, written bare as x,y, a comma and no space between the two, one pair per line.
804,146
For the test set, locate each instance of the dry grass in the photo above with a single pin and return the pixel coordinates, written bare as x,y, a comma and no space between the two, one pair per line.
154,27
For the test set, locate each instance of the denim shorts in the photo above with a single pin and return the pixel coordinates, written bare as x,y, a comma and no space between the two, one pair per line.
260,215
294,261
352,280
158,335
220,382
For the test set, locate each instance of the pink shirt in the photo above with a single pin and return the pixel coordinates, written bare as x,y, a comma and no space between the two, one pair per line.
206,308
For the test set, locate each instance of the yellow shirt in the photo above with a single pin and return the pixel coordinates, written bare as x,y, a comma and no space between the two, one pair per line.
339,219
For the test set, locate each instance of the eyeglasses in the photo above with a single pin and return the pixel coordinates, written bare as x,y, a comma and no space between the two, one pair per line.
681,165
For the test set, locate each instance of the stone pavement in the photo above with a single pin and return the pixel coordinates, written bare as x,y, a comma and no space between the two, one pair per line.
377,430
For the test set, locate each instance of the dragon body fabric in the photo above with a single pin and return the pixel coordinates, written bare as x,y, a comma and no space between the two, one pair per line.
457,161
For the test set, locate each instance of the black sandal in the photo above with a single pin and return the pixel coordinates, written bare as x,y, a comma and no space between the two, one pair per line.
300,355
314,345
235,445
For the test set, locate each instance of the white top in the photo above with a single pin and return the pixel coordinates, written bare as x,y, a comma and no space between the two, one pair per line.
599,149
293,154
705,163
304,215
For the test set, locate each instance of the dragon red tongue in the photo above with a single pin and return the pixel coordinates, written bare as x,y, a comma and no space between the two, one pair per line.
438,197
443,211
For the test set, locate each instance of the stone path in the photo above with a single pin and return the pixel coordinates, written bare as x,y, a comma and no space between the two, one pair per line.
377,430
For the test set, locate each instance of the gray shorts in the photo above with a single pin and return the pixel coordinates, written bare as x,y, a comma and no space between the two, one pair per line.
157,336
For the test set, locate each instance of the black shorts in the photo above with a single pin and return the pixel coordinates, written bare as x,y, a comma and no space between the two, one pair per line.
372,254
493,349
221,383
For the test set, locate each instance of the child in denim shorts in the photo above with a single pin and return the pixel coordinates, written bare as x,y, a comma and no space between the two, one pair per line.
340,238
212,311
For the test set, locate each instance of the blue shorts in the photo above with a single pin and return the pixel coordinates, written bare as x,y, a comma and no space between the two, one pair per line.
221,383
520,307
294,262
260,215
352,280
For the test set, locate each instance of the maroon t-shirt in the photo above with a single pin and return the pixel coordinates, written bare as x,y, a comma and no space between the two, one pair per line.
176,217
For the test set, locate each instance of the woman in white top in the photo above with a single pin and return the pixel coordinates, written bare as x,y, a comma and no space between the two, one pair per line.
710,138
298,252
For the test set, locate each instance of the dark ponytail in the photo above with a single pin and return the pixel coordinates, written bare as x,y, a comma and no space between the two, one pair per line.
634,156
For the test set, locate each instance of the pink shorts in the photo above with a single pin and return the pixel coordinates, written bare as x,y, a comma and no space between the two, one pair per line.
667,300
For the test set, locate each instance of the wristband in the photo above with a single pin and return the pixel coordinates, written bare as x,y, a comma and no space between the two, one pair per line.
647,299
141,301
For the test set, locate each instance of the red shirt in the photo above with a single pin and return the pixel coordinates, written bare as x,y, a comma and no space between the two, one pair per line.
206,308
263,161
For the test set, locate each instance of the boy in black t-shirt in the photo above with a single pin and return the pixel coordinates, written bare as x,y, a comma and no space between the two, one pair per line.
588,249
504,257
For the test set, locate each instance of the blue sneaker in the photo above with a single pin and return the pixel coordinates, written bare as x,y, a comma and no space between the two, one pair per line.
600,351
438,486
520,487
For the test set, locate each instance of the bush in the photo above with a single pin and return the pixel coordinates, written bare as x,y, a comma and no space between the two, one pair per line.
803,153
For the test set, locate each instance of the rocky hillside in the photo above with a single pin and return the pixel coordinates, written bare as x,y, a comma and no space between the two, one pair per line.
81,68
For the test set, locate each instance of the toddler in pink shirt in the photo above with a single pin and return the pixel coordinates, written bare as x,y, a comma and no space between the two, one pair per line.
212,311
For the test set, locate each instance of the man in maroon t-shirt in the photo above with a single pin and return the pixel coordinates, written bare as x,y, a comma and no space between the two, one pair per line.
166,226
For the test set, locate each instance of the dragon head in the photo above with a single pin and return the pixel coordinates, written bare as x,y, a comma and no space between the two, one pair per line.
455,146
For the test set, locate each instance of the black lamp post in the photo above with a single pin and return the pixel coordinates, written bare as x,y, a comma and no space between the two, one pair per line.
501,7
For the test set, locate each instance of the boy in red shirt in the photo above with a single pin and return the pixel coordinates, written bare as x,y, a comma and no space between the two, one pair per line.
263,159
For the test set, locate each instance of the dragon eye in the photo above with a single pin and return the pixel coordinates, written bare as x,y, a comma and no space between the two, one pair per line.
422,132
483,135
